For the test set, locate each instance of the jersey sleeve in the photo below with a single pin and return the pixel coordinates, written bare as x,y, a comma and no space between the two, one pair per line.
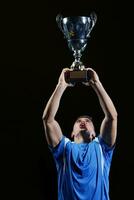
107,150
58,151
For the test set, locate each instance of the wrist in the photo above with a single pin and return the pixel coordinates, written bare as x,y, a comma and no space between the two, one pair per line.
96,83
62,85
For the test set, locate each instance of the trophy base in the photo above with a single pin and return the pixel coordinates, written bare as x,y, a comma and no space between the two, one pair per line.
77,76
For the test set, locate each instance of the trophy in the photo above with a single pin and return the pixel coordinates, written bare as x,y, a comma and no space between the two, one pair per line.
76,30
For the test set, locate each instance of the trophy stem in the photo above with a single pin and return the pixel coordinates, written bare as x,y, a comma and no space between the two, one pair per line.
77,64
77,54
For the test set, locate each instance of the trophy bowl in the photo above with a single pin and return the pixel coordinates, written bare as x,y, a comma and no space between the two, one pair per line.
76,31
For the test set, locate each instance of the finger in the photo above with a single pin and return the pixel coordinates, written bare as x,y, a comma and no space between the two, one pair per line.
86,83
65,69
89,68
71,84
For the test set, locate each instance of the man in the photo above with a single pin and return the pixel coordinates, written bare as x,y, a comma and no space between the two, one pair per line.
82,165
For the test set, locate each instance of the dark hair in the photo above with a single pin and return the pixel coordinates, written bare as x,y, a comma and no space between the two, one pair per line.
84,116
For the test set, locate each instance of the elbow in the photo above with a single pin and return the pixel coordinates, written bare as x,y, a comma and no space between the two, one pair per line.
115,115
46,118
112,116
45,115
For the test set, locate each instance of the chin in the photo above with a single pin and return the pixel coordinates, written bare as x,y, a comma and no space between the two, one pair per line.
86,136
85,132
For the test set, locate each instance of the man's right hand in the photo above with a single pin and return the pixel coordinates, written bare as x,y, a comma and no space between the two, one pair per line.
62,78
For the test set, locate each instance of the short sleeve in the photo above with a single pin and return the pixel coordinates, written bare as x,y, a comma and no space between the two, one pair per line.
106,149
58,150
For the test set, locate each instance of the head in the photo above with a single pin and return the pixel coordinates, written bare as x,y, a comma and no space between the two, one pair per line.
83,129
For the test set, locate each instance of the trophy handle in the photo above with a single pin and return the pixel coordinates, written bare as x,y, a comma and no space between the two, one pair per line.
59,19
93,18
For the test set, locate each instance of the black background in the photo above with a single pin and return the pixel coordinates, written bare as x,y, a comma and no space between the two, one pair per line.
33,53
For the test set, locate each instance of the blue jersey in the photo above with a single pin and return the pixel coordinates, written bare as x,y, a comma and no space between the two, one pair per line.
83,169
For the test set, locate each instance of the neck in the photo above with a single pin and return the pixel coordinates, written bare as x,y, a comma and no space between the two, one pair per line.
78,139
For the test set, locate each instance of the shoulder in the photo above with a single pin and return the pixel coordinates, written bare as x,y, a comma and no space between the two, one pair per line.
104,145
105,149
62,144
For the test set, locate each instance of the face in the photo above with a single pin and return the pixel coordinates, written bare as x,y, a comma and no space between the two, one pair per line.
85,127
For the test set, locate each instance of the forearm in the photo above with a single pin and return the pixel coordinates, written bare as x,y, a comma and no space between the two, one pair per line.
53,103
105,101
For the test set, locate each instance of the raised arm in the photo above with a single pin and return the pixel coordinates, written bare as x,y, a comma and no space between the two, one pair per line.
52,129
108,129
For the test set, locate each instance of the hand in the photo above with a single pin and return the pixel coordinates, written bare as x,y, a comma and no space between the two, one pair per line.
76,131
62,78
93,77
